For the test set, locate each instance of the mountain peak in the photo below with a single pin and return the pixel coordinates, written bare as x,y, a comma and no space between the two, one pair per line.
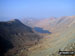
14,20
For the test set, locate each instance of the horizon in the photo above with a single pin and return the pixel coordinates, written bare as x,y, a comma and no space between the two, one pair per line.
38,9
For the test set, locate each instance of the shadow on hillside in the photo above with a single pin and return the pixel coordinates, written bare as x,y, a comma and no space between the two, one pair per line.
41,30
5,45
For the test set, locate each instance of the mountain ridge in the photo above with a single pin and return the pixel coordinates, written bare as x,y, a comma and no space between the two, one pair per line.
16,35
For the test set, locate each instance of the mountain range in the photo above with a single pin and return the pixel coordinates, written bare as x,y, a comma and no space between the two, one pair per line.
62,36
45,37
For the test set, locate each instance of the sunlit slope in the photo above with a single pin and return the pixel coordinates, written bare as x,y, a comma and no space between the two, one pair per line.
56,24
52,43
63,23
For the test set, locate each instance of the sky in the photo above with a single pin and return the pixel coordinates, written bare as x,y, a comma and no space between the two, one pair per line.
10,9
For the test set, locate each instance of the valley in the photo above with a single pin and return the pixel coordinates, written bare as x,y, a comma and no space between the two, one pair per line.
38,37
